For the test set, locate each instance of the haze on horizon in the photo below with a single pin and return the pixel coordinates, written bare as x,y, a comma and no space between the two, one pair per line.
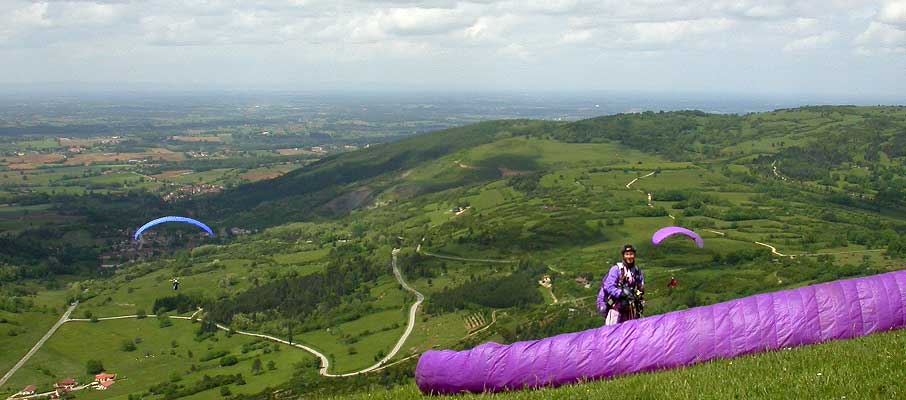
836,50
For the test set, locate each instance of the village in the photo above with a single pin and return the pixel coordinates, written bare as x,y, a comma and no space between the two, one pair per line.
61,389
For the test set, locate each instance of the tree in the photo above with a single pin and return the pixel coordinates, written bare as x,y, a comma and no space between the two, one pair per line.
140,314
228,361
225,391
127,345
271,365
93,367
256,366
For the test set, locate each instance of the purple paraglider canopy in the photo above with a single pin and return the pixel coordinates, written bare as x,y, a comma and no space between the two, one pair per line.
664,233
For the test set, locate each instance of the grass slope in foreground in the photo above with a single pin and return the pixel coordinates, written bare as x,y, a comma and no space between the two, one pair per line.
872,367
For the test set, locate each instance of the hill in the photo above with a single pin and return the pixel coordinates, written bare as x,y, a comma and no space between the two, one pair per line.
480,214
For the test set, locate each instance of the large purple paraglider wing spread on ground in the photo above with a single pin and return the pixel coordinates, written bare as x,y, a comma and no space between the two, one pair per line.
664,233
813,314
172,219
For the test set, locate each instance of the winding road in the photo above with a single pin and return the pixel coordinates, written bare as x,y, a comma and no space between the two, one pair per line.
325,362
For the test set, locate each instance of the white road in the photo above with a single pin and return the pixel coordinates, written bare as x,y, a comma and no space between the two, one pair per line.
633,181
40,343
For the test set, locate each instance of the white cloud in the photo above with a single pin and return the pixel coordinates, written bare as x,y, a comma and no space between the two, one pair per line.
811,42
887,33
580,36
517,50
894,13
799,26
882,38
421,21
653,35
443,37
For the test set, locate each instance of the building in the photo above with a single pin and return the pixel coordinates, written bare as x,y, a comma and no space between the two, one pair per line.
104,377
66,384
545,281
28,390
104,385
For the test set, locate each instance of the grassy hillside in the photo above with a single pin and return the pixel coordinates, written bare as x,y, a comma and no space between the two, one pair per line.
864,368
481,213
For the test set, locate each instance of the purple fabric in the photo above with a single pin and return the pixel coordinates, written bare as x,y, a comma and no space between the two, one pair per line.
664,233
836,310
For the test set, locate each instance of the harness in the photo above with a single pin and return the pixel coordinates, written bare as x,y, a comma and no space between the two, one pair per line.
628,279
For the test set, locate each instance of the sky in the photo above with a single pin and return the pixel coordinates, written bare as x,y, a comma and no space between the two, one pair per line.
833,48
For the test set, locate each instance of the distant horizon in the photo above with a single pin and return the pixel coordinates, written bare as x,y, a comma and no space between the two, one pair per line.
79,89
587,103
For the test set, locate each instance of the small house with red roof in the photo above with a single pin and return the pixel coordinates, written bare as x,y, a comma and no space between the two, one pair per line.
105,385
66,384
104,377
28,390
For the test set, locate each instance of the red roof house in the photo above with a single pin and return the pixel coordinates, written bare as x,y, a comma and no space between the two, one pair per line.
104,377
105,385
67,383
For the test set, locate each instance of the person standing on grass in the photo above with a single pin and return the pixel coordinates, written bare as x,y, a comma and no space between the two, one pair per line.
621,295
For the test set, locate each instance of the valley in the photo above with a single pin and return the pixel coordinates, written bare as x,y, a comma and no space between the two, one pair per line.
375,255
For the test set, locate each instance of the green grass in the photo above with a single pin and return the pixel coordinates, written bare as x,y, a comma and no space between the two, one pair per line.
29,328
872,367
211,176
301,257
65,354
554,153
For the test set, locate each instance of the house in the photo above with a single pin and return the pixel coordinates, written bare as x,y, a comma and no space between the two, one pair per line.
66,384
29,390
545,281
104,377
104,385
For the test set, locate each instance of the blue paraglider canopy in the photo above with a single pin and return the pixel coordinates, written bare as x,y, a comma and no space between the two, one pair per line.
172,219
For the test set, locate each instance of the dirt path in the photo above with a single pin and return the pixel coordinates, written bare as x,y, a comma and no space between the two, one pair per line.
776,172
773,249
633,181
40,343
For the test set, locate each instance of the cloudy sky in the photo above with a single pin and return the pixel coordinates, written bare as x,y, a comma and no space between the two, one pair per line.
814,47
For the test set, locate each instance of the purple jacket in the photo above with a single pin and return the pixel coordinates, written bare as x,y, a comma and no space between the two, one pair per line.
610,285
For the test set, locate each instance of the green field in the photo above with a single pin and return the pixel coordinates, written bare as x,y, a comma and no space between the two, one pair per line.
155,360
